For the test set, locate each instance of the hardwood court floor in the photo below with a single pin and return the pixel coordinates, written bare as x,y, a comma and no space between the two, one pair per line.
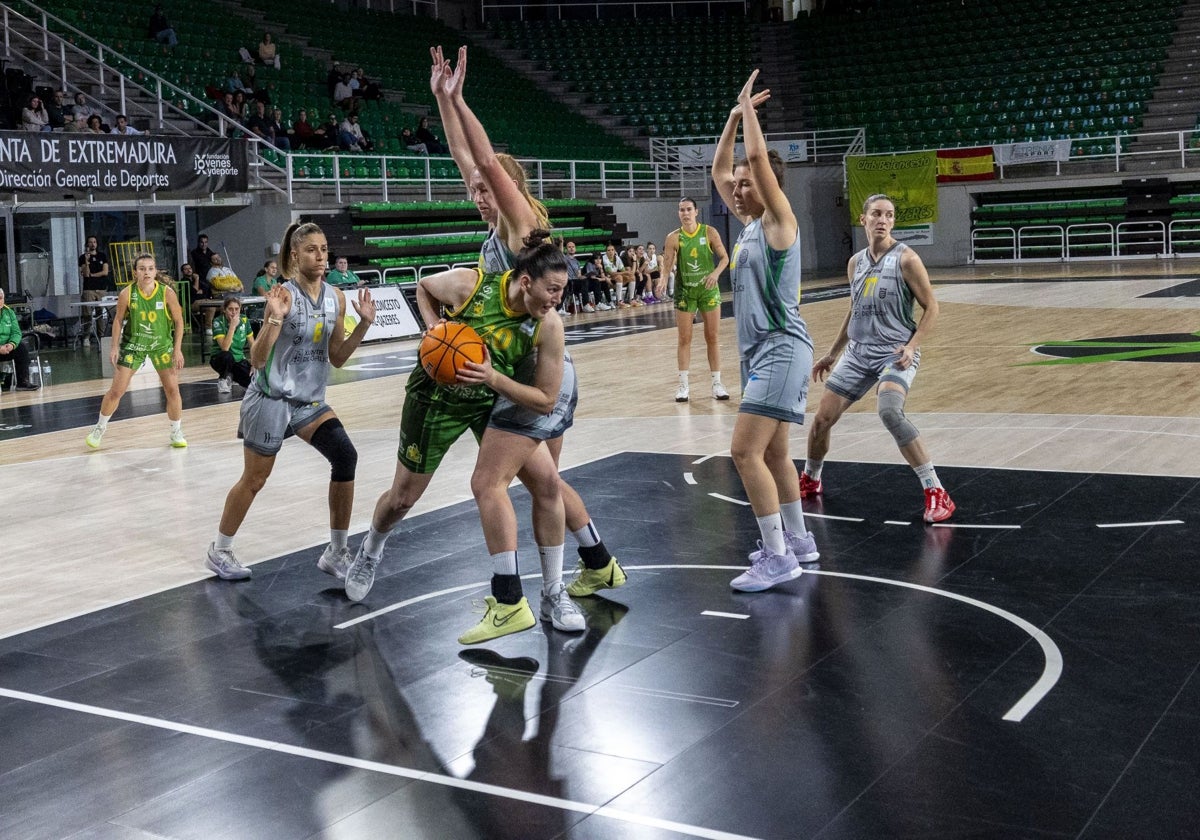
88,530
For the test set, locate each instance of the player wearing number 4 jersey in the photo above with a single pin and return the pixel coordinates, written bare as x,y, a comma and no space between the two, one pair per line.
880,343
148,325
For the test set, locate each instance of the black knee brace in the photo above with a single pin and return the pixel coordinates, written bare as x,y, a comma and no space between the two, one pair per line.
331,440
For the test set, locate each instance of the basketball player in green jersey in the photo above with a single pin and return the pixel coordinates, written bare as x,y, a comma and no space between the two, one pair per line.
148,323
690,251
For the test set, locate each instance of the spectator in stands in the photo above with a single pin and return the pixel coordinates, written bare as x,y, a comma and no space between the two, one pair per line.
305,136
431,141
333,76
344,96
268,51
123,126
352,137
160,29
57,111
201,256
34,116
239,106
409,141
364,87
260,124
341,275
278,132
81,109
266,279
234,83
333,130
95,125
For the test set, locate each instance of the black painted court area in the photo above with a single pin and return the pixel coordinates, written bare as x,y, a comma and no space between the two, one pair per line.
835,707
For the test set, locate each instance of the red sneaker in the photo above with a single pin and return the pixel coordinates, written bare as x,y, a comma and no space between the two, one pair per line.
809,486
938,505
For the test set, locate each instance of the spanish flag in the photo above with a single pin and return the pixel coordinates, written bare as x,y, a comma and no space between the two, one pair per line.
965,165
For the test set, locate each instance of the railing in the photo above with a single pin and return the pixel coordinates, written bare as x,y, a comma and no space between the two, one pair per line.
1148,239
99,62
609,9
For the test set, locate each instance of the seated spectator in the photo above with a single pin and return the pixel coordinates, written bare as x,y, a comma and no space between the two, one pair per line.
234,83
123,126
344,96
333,130
34,116
259,123
59,113
239,109
351,136
222,279
201,291
409,141
333,76
599,287
363,86
160,29
268,51
618,276
82,109
266,279
278,132
431,141
11,348
303,135
341,275
96,126
232,342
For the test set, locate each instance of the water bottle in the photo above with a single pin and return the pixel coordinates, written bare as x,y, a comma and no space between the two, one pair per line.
35,374
46,372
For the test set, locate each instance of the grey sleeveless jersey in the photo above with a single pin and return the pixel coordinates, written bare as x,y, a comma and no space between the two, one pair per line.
766,289
881,308
298,367
494,256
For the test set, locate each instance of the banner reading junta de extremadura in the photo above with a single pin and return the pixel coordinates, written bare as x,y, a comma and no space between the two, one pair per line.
910,180
64,165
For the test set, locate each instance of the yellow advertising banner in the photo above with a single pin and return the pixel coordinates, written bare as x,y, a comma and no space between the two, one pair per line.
909,180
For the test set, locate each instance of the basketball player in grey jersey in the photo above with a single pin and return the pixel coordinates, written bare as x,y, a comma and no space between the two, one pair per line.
881,341
302,334
774,343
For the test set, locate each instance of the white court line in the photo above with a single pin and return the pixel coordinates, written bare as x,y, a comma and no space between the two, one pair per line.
689,478
838,518
1138,524
716,614
1050,652
675,695
1051,671
885,522
959,525
380,767
735,501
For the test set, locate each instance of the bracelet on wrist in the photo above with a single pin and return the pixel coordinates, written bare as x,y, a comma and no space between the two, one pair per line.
275,322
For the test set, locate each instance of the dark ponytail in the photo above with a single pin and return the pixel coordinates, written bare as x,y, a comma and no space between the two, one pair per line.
539,256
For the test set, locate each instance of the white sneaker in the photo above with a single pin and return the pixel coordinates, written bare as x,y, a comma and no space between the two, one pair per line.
224,385
805,548
587,307
767,570
360,575
719,392
334,561
177,439
560,611
682,394
224,565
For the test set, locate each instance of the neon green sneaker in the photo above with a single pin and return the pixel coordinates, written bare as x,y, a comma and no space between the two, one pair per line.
93,438
499,620
178,440
591,581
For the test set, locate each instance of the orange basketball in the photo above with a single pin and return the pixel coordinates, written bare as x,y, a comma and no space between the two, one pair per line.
446,348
